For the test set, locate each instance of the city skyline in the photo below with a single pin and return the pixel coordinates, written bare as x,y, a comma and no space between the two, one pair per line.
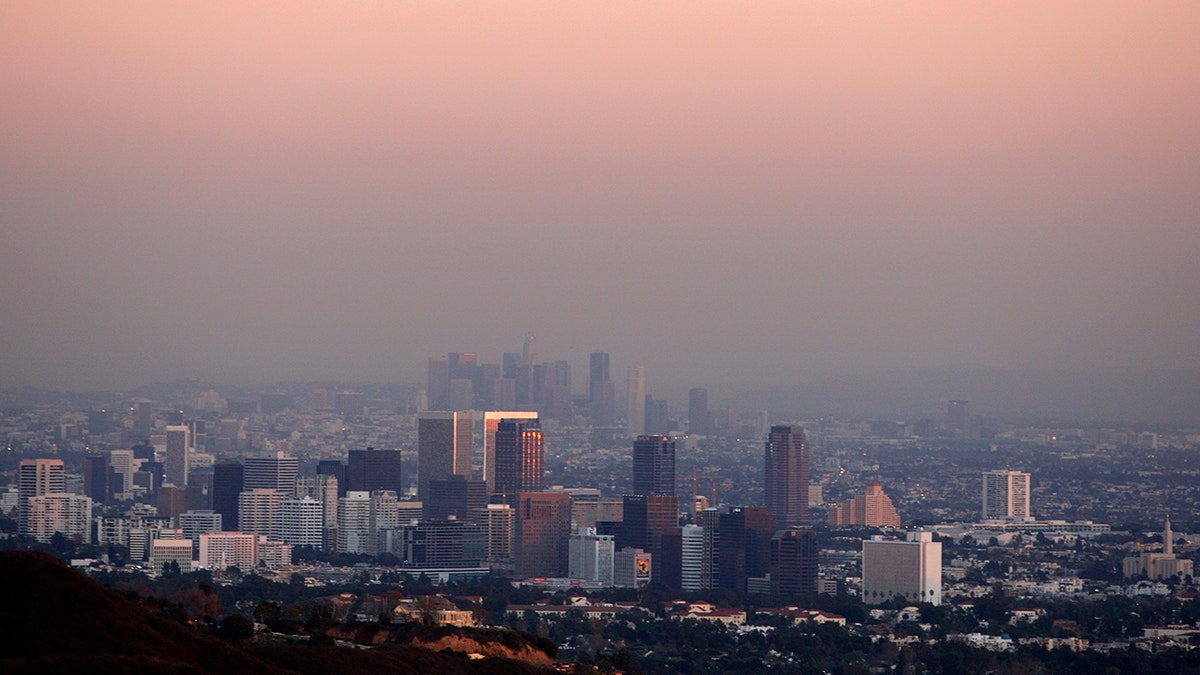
731,197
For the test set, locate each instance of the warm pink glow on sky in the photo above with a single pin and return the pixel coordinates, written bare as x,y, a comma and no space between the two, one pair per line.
734,190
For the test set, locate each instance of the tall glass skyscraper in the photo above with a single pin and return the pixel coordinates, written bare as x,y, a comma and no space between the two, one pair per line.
786,478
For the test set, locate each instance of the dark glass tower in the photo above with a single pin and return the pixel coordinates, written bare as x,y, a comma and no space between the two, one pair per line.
518,457
654,466
744,546
227,484
455,496
372,469
794,563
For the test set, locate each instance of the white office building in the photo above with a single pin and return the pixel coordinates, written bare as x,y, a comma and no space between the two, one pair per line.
692,574
302,521
590,556
909,569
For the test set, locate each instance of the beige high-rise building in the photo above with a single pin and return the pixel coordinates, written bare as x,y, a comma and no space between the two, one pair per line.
635,406
60,512
873,508
37,477
258,512
219,550
1005,495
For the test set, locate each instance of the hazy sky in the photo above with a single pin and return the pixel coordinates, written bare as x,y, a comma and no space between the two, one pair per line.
731,194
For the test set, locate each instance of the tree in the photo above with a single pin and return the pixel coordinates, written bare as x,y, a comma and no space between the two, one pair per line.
267,612
235,628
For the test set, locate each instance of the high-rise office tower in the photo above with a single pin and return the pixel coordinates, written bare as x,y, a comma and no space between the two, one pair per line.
37,477
597,368
498,521
438,387
227,484
122,465
491,421
670,562
335,468
323,488
654,466
1005,495
555,402
197,435
354,523
958,417
543,526
794,563
657,422
647,518
601,394
302,521
489,383
178,455
258,511
455,497
271,472
145,419
96,472
744,546
444,447
385,522
197,522
172,500
692,554
710,520
373,469
463,372
518,457
910,569
635,406
786,476
699,416
529,350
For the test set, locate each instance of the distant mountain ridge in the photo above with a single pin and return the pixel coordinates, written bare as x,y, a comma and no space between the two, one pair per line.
1111,395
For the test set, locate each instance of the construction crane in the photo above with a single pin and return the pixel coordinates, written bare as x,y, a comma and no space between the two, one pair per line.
695,484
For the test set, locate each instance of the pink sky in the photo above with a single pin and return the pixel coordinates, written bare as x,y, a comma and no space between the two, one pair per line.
722,192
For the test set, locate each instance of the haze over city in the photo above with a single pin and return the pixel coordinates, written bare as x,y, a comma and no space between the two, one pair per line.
734,196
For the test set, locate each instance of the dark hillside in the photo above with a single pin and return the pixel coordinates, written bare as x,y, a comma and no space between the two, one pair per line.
56,620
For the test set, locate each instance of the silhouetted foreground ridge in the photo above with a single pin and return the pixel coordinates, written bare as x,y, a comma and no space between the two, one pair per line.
58,620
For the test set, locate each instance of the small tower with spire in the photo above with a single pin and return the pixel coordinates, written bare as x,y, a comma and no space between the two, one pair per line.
1168,544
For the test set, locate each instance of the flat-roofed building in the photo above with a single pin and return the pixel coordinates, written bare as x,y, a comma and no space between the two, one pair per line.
221,550
163,551
909,569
